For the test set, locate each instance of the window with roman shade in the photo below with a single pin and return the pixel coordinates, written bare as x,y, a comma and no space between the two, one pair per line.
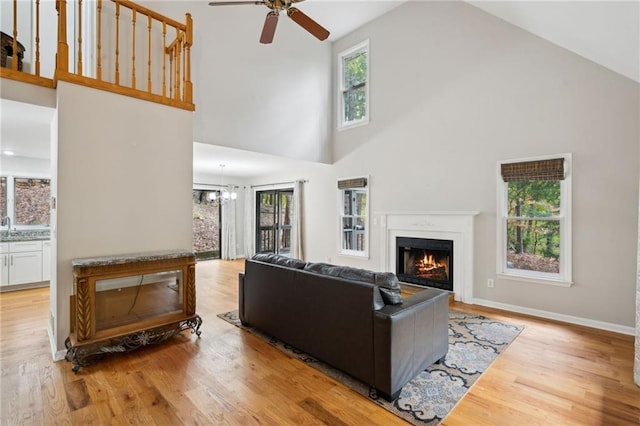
534,221
353,205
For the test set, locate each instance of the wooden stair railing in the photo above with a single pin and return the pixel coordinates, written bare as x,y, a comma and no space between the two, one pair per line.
13,49
150,40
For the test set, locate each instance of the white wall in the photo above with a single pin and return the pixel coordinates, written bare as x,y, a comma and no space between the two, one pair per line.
284,87
25,167
455,90
27,93
124,181
636,368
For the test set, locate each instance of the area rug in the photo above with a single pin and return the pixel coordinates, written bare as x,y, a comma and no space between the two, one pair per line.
474,343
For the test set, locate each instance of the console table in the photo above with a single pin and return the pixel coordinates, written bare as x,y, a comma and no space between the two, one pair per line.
124,302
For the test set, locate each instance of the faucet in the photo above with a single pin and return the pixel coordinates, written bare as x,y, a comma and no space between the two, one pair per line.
7,221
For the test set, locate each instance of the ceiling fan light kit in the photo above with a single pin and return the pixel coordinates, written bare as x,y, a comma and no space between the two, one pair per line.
271,21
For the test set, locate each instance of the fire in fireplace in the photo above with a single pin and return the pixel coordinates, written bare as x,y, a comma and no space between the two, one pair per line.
425,262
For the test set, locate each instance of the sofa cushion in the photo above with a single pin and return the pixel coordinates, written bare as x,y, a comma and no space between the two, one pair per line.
345,272
278,259
386,281
389,287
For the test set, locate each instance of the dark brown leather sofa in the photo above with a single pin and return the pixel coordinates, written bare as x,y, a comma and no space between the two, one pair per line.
339,315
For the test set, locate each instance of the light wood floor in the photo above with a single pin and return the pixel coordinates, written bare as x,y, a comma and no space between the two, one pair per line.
553,374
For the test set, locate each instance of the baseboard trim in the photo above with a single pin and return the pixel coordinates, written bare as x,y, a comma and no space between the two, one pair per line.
617,328
57,355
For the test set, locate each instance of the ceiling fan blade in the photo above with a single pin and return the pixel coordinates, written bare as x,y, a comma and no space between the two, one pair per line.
317,30
233,3
269,28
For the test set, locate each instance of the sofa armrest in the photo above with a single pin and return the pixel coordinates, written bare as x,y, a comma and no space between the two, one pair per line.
409,337
424,296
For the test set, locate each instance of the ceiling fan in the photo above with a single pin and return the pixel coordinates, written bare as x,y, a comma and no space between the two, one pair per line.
277,6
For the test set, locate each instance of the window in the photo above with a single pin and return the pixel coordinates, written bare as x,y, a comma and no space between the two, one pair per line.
275,215
206,224
535,220
3,197
25,201
353,71
353,205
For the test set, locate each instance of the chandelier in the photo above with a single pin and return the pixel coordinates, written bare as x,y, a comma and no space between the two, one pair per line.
227,192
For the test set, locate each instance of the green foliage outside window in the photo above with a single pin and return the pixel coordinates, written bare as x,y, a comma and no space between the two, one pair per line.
533,226
355,79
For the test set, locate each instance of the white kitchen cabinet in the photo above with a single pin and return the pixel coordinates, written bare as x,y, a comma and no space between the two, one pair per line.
46,261
25,267
22,246
21,262
4,263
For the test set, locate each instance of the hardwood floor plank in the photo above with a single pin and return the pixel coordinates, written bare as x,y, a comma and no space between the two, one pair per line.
77,394
319,412
552,374
54,401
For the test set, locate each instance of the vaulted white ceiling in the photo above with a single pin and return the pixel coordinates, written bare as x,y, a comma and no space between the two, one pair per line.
606,32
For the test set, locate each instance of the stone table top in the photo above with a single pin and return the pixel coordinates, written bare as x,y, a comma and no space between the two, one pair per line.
25,235
130,258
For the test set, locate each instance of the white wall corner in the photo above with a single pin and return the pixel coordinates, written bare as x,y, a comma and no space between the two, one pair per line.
636,369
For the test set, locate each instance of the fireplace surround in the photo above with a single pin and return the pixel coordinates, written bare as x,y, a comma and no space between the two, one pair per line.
457,226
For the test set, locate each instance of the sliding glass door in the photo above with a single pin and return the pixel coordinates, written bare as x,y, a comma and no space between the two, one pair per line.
274,211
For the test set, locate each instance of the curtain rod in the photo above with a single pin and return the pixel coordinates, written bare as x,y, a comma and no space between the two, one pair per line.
278,183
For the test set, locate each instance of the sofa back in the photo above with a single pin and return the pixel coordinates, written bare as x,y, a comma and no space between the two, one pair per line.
327,316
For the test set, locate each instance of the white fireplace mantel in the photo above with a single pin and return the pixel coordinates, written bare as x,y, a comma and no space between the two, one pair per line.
456,226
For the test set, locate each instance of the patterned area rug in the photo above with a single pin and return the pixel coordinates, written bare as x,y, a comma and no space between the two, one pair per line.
474,343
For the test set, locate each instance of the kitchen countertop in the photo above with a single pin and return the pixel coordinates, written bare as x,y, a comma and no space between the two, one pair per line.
25,235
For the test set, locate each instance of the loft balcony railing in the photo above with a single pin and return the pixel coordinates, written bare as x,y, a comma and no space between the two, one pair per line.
113,45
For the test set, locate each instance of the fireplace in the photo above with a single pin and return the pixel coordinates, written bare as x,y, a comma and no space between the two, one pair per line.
456,226
425,262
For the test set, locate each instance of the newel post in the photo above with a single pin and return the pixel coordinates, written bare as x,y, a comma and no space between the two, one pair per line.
62,56
188,86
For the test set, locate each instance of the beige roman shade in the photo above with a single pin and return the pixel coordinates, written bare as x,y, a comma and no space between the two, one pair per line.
533,170
352,183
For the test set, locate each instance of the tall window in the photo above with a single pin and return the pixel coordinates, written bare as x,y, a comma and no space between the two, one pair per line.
274,218
353,203
353,72
535,239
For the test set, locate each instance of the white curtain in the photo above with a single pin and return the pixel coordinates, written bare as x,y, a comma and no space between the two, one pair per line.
249,222
229,230
296,226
